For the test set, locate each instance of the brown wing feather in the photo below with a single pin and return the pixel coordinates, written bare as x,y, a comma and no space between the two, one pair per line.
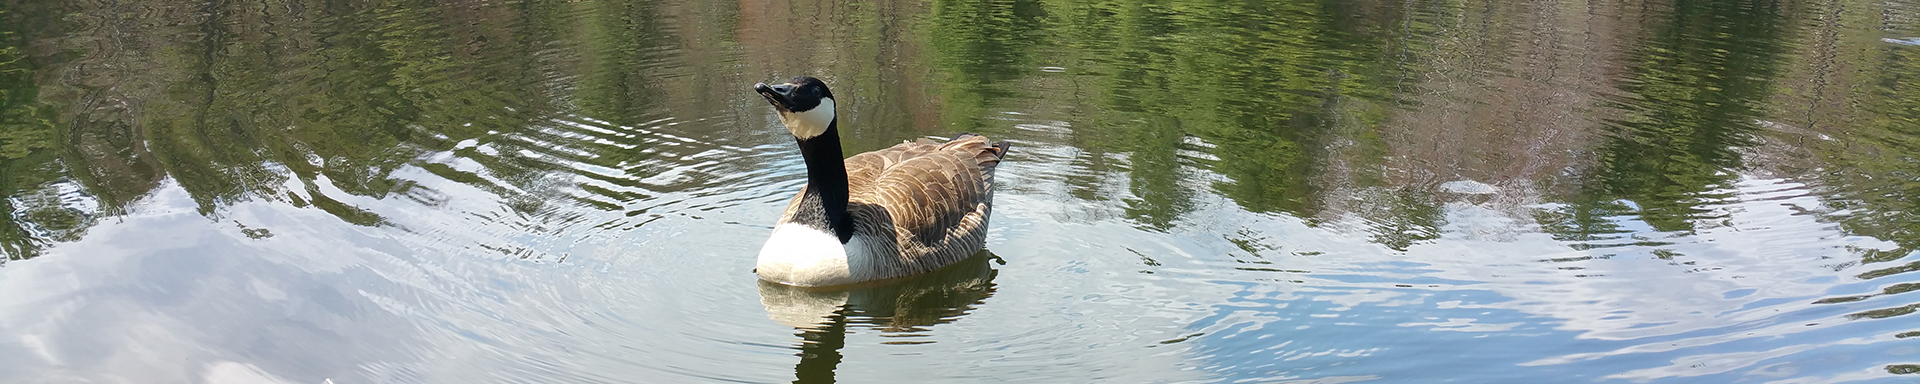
938,196
866,167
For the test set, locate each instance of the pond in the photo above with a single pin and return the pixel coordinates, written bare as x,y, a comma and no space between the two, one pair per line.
1329,191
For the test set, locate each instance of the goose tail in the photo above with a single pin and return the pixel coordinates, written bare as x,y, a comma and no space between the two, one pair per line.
990,152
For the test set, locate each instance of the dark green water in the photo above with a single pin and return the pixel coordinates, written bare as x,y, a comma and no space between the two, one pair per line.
1271,192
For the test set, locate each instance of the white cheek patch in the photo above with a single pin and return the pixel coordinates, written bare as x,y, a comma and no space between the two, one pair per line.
813,122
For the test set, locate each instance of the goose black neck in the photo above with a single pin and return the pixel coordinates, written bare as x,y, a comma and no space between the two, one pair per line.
827,178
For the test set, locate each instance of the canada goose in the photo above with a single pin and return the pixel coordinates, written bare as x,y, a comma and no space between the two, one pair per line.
889,213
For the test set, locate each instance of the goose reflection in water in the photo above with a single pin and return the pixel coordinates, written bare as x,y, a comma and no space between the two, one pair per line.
897,308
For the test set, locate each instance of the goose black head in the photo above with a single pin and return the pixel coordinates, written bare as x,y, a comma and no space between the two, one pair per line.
804,103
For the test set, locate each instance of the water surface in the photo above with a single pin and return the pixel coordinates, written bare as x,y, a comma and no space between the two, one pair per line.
1287,191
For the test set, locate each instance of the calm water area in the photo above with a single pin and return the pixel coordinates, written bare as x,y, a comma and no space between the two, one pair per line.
1291,191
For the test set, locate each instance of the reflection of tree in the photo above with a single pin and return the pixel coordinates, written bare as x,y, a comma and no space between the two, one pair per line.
22,128
248,102
1690,104
1879,185
619,36
1867,155
30,195
979,44
1135,103
1409,217
622,35
37,200
1252,81
1583,223
288,102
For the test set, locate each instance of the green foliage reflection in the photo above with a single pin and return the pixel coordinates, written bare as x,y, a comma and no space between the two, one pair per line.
1693,95
300,103
1254,83
30,198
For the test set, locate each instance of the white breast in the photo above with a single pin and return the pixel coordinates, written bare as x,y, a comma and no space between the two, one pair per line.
803,256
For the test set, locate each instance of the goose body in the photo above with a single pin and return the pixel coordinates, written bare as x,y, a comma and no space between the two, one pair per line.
894,212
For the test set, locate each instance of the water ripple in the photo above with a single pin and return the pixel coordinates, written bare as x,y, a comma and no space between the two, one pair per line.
1223,192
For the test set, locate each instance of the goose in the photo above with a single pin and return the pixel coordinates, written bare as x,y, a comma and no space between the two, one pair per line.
879,215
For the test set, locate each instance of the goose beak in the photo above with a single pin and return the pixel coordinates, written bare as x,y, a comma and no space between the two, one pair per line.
775,94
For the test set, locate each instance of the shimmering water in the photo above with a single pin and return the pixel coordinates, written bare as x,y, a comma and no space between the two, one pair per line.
1288,191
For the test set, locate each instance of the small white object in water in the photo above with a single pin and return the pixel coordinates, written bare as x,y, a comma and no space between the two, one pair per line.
1469,187
1906,41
